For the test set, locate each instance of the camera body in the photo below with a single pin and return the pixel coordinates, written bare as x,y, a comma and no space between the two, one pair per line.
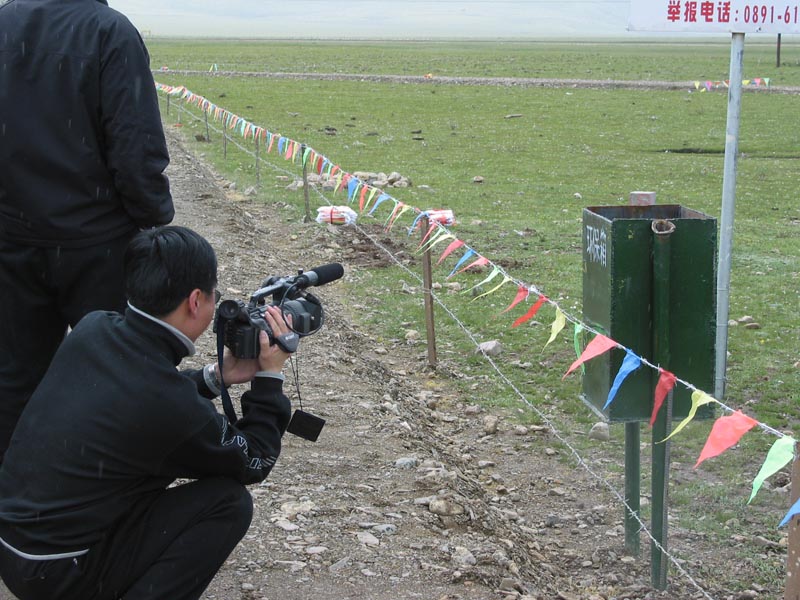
243,322
240,323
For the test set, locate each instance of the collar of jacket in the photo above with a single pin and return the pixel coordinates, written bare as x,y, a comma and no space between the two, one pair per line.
164,339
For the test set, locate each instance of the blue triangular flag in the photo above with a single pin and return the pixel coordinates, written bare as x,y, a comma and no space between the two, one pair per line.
792,512
629,365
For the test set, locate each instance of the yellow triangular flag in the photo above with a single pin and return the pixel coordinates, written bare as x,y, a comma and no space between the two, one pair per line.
698,399
559,324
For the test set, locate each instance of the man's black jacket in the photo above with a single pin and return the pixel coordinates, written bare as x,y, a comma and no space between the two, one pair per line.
113,423
82,149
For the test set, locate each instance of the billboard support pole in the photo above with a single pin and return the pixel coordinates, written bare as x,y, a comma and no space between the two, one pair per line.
728,205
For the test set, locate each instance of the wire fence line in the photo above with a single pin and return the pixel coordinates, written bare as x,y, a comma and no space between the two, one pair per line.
554,427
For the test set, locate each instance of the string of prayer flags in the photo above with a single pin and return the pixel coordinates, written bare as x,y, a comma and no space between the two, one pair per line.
698,399
599,345
629,365
666,381
726,432
781,454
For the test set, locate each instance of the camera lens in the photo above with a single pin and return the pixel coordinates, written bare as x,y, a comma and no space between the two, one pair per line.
229,309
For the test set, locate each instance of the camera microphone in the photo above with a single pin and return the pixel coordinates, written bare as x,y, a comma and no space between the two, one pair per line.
320,275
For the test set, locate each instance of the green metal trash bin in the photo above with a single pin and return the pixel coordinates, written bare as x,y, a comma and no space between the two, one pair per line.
617,300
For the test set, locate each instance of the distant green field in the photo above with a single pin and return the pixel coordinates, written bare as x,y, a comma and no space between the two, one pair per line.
568,148
687,61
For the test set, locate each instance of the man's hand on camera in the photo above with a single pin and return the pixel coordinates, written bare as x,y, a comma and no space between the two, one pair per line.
271,357
236,370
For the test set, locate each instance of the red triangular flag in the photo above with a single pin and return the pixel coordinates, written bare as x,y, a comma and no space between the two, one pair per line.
596,347
666,381
522,293
726,432
451,248
531,311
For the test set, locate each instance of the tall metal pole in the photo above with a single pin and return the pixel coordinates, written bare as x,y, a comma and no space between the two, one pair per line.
728,205
633,473
659,484
778,58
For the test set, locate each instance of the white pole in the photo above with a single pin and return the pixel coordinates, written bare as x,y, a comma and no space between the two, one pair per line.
728,205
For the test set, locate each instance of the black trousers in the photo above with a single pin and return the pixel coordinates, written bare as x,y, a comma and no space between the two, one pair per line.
43,291
168,548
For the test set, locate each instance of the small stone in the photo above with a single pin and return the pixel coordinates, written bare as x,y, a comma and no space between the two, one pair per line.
286,525
250,191
385,528
445,507
407,462
462,557
490,424
248,587
746,319
411,335
557,491
485,464
339,564
752,325
507,584
491,348
600,432
477,179
366,538
316,550
520,430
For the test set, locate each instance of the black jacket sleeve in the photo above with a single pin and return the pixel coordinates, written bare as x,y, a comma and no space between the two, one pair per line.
136,150
245,451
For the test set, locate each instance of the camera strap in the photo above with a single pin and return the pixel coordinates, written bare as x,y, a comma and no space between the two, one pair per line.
227,404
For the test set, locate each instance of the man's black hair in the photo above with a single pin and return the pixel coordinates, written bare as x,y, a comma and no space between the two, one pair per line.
163,265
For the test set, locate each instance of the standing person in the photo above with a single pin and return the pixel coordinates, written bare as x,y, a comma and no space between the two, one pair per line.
82,159
86,507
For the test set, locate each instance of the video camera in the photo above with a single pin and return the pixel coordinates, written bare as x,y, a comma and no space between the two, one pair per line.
241,323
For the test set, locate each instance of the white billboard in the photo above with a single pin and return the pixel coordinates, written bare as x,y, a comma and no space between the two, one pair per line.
715,16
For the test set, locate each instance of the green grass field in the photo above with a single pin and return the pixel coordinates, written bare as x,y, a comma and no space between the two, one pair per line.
570,148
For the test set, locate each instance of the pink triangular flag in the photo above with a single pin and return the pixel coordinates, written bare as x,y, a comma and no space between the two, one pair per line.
726,432
450,249
596,347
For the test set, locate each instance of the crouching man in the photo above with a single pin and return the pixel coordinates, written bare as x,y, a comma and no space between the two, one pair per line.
85,508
